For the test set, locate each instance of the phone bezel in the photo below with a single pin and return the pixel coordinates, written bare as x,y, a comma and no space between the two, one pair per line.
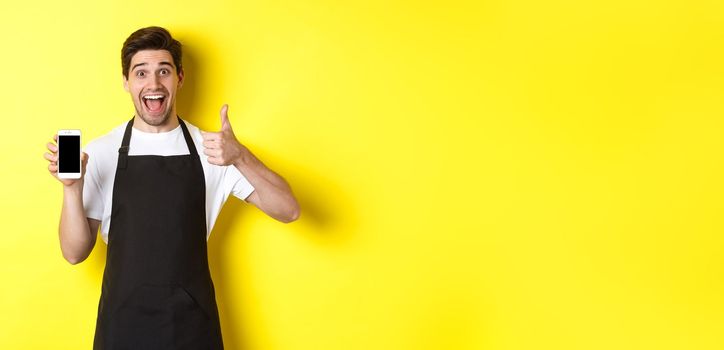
70,132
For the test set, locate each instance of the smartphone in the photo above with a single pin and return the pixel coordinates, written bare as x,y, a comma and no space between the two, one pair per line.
69,154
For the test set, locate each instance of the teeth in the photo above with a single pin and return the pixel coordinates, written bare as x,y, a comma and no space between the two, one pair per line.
153,97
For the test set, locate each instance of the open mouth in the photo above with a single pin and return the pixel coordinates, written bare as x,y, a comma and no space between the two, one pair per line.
154,102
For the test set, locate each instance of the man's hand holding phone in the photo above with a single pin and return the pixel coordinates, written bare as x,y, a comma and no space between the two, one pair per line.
67,153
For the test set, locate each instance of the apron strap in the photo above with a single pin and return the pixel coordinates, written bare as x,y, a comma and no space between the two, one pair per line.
123,151
189,140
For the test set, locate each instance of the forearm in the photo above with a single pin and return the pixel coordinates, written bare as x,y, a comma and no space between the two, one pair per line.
76,239
274,194
271,193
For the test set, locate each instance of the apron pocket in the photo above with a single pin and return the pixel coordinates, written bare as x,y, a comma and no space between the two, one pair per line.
194,301
142,321
192,325
159,317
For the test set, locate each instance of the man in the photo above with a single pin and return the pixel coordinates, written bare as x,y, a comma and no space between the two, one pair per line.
156,197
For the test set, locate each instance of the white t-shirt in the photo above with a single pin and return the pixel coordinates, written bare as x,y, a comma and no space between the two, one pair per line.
103,159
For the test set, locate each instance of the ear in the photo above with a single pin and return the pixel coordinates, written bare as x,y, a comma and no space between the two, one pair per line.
125,83
180,78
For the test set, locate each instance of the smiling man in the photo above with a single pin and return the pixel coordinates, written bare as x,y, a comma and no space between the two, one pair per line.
155,186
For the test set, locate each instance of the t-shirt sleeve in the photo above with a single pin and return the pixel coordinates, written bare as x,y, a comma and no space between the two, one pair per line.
92,193
239,186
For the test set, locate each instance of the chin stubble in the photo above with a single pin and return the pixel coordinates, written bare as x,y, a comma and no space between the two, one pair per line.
151,122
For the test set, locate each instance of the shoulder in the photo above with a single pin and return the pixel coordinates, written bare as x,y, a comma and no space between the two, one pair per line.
108,142
214,173
197,136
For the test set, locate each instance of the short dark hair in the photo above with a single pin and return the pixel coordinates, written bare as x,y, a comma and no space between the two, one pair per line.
150,38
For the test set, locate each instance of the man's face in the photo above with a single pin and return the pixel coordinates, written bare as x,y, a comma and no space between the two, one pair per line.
153,82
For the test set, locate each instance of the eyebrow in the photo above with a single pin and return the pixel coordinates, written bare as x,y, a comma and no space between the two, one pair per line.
162,63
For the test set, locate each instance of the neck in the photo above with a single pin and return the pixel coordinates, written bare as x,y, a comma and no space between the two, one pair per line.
170,124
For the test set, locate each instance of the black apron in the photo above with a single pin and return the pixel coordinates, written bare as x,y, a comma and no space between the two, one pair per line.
157,290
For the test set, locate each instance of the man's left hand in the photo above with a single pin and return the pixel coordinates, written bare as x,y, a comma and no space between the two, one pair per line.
222,147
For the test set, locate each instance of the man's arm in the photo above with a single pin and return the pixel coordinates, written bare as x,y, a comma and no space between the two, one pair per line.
77,233
272,194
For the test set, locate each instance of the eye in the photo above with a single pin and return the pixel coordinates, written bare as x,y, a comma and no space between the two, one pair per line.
140,74
164,71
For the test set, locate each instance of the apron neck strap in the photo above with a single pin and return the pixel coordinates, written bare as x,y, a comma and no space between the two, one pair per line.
123,151
189,140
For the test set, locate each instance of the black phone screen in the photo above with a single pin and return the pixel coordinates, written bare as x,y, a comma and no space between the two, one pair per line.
69,154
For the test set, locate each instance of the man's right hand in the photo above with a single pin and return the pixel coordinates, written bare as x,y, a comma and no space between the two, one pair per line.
52,158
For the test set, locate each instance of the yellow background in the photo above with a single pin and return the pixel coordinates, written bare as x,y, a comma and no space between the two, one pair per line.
473,175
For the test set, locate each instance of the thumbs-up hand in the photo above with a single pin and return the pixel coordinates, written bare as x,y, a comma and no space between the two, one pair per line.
221,147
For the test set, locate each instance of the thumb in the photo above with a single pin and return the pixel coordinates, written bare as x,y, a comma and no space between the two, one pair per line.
225,125
84,162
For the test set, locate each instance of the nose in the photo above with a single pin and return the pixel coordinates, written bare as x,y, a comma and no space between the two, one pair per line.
155,81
